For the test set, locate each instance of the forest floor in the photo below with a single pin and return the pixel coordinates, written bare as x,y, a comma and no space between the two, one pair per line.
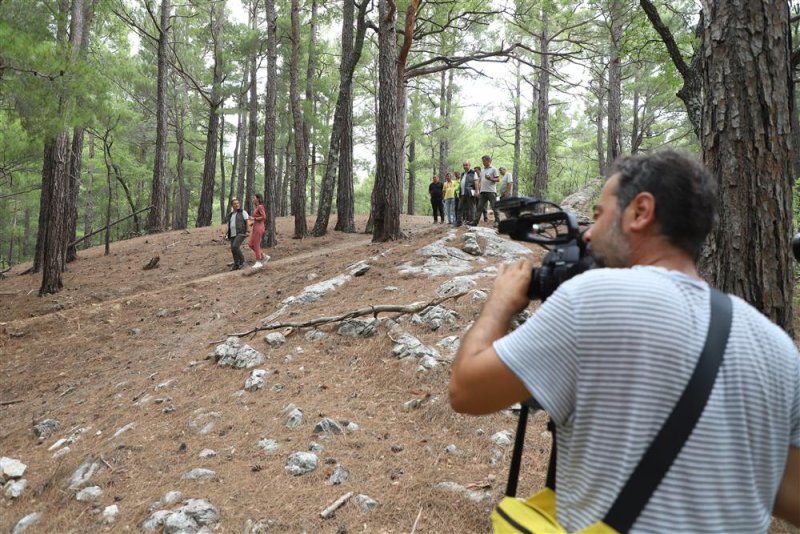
131,350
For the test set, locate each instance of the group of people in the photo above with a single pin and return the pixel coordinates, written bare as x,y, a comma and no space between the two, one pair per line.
463,197
237,224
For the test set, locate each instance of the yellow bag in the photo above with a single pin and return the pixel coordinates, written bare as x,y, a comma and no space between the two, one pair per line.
536,515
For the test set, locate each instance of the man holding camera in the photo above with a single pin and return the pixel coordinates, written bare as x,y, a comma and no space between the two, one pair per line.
611,351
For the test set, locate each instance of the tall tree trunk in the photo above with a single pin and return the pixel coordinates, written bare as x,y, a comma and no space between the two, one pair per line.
287,180
271,177
615,83
158,193
242,164
300,143
340,148
205,208
746,145
443,133
636,138
237,147
517,131
252,133
222,168
310,108
181,208
88,198
412,172
599,121
388,181
543,121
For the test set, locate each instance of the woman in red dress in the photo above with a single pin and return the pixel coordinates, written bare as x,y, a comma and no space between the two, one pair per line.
258,217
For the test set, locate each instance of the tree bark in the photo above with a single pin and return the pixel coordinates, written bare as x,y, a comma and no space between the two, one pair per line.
543,120
387,198
300,143
252,134
158,192
614,136
222,167
517,131
271,177
412,172
180,219
310,107
73,189
746,145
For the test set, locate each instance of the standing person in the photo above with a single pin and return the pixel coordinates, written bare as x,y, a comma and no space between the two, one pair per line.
488,190
506,187
477,197
236,232
466,197
450,198
436,193
610,352
259,217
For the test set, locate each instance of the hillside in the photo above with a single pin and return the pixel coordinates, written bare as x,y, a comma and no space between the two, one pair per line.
123,360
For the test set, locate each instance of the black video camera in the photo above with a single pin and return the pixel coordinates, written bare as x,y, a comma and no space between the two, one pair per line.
796,247
548,225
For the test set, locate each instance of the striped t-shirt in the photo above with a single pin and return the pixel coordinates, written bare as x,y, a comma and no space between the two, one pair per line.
609,354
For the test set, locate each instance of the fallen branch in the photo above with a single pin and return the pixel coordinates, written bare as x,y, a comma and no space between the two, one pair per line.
10,402
331,510
374,310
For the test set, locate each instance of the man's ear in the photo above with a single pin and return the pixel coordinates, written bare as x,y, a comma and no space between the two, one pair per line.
641,212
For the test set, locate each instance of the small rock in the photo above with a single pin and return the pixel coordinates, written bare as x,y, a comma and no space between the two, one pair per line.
172,497
428,362
169,409
328,426
61,452
11,468
165,384
351,427
391,288
397,448
163,312
121,430
155,520
134,332
502,438
478,295
300,463
262,526
199,473
275,339
110,514
315,447
339,476
451,449
207,453
366,503
83,473
14,488
45,428
26,521
315,335
360,269
202,511
295,418
179,523
256,380
89,494
267,445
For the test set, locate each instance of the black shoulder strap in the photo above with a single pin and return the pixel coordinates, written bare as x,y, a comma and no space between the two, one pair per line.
679,425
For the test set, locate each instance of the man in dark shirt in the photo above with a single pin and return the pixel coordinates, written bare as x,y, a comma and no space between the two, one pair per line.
436,192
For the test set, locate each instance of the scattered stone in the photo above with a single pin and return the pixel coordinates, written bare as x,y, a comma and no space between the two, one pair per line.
435,316
267,445
428,362
89,494
358,327
199,473
339,476
503,438
45,429
14,488
330,511
121,430
207,453
366,503
391,288
11,468
163,312
451,449
300,463
397,448
471,245
315,335
231,354
179,523
315,447
316,291
165,384
169,409
256,380
450,344
328,426
495,456
202,511
480,497
172,497
479,295
358,269
26,521
110,514
133,332
409,346
500,246
275,339
456,286
83,473
61,452
262,526
351,427
294,416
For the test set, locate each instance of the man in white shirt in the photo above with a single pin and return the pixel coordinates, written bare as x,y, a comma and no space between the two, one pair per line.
506,183
488,190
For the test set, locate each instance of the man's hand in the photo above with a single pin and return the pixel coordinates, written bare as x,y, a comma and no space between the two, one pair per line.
510,293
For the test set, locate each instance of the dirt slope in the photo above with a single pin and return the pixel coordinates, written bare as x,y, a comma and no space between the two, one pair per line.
94,356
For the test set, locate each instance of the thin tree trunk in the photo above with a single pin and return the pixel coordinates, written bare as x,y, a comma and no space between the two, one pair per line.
517,131
88,198
108,202
412,172
300,143
271,177
73,188
158,192
252,132
615,84
443,133
311,104
222,168
181,208
543,121
237,148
